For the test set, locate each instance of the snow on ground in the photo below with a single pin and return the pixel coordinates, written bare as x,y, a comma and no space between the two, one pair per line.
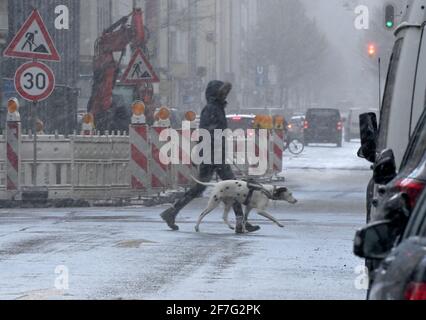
323,156
129,253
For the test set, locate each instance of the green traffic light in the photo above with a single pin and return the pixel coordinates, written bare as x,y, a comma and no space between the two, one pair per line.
389,24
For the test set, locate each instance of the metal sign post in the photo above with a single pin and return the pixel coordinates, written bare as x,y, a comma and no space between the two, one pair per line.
34,81
33,116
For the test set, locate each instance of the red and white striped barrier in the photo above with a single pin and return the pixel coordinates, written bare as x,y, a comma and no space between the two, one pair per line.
160,172
13,163
260,150
185,169
277,150
139,157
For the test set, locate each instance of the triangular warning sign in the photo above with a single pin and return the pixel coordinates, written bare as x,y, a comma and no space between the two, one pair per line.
139,70
33,41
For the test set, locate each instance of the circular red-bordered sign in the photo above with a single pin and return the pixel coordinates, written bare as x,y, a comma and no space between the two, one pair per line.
34,81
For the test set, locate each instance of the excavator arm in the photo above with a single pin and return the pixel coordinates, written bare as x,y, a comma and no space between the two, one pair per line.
114,39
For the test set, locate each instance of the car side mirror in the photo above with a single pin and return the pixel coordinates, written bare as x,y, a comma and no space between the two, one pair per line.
369,131
374,241
384,170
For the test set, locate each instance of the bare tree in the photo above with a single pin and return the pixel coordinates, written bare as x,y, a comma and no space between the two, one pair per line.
291,42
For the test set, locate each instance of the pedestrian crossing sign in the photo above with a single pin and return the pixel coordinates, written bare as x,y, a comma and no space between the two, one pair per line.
139,70
33,41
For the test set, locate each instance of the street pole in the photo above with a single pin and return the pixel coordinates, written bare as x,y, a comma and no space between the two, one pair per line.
33,117
380,84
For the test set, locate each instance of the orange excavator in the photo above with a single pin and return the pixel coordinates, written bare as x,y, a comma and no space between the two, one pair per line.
106,69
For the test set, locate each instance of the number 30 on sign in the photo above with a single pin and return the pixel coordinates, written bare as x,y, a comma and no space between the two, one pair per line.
34,81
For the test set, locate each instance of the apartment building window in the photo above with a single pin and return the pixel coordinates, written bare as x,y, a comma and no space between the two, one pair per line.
104,11
178,30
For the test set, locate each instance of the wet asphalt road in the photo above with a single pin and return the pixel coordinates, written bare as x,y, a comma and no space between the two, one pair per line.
128,253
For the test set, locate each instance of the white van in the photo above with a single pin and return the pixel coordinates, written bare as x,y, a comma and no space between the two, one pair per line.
405,92
404,96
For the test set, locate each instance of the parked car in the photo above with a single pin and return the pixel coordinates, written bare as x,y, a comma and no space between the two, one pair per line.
403,100
411,178
323,126
352,123
410,181
240,121
402,274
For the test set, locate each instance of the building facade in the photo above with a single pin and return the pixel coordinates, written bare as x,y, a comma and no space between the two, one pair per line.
194,41
189,43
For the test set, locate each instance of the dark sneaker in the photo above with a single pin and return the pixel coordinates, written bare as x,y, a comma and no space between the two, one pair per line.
251,228
169,216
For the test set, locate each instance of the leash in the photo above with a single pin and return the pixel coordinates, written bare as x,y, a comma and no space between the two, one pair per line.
252,189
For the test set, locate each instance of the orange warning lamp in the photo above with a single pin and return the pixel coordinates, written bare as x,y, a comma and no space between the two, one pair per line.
269,123
12,105
258,120
138,108
190,116
164,113
39,125
279,122
264,122
88,118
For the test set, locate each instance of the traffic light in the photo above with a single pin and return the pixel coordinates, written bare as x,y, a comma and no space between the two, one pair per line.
389,16
372,50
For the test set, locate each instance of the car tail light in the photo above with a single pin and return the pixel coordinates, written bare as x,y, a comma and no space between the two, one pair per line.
412,188
416,291
339,126
306,125
236,118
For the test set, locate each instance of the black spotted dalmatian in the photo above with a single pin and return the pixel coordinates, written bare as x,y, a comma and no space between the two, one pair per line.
253,196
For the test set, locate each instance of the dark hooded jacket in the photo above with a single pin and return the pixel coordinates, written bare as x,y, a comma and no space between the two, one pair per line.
213,116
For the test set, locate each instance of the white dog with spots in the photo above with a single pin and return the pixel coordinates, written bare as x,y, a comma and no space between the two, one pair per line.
232,191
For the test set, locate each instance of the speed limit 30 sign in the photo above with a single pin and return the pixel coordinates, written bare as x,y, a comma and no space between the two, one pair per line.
34,81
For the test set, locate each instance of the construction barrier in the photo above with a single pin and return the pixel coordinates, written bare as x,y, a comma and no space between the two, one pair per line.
100,166
277,150
160,173
186,168
13,156
109,166
254,167
139,161
3,174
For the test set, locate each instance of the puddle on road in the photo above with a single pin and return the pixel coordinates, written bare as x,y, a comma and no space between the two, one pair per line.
133,244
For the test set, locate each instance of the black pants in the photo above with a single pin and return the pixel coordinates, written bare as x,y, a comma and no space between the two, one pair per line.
206,174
